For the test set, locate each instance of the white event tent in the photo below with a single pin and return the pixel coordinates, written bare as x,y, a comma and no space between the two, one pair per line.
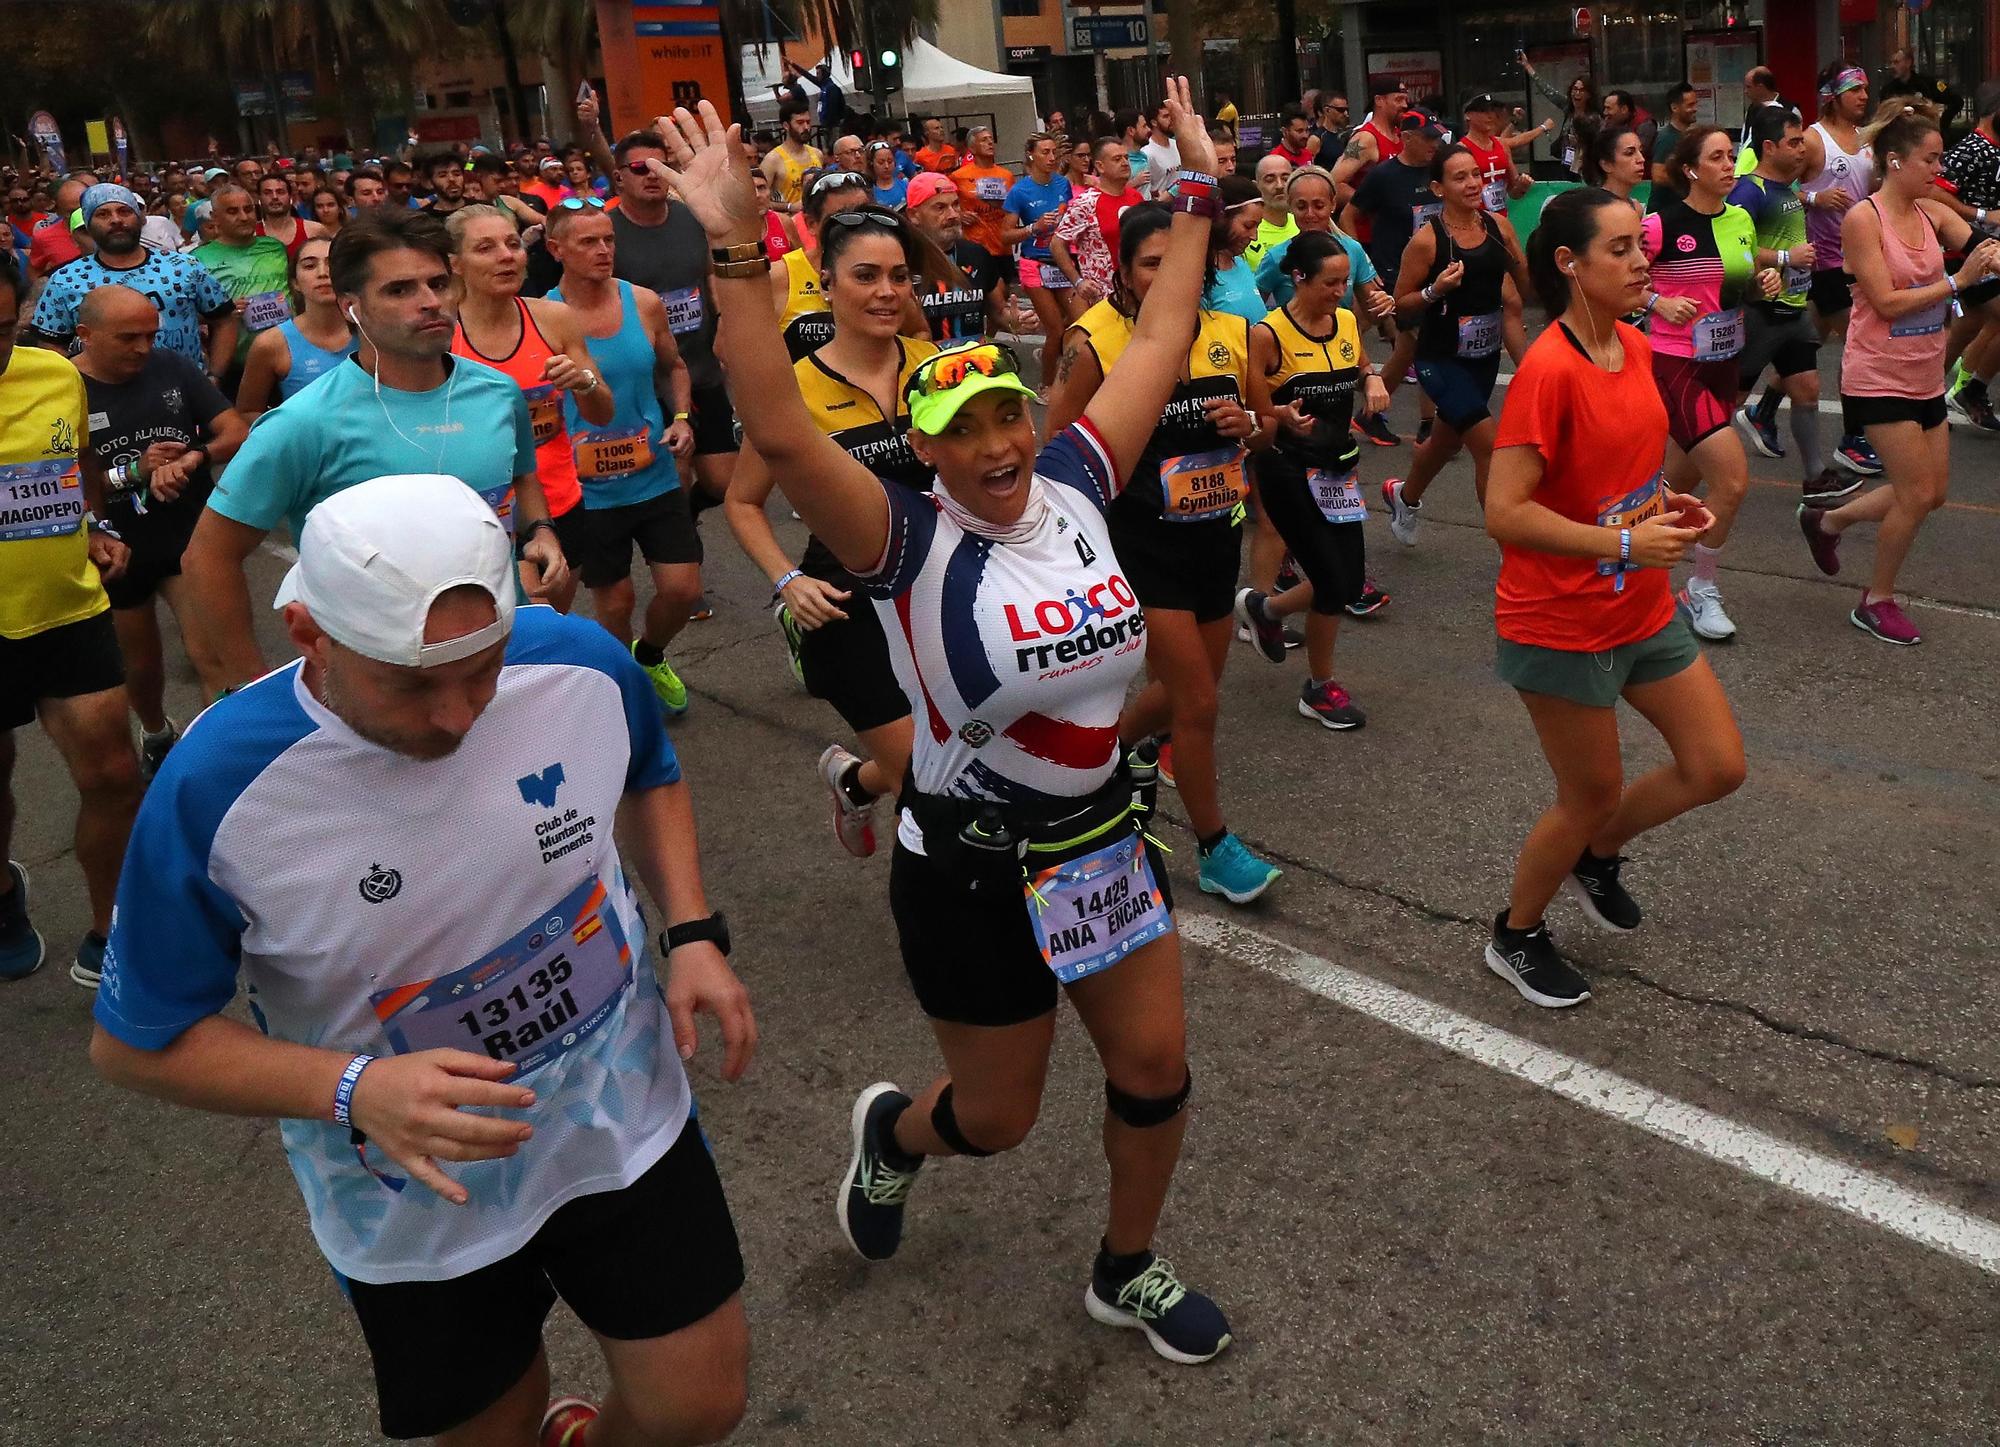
934,83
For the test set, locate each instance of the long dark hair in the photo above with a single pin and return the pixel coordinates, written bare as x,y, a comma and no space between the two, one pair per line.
1603,151
1570,219
922,255
1135,225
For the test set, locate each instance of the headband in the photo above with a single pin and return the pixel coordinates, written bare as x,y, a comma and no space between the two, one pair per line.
1851,78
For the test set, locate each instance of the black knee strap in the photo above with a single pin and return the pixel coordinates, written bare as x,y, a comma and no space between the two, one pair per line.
1142,1111
945,1123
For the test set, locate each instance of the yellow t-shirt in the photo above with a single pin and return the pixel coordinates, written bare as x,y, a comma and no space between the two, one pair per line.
46,576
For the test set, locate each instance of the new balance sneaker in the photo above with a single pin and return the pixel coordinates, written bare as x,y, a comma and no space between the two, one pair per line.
1527,960
1970,404
1701,603
153,749
1857,456
564,1422
794,636
1233,872
1402,515
1886,620
1181,1325
1328,702
1759,431
1825,546
672,693
1372,600
1829,487
1266,632
853,824
88,968
870,1206
21,947
1594,885
1376,429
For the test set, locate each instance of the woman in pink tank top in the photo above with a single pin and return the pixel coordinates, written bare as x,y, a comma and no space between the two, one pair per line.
1892,372
538,344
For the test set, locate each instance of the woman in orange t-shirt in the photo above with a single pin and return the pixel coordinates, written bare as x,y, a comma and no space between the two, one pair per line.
1588,530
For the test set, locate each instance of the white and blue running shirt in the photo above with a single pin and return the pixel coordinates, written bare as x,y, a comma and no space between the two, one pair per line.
1015,654
365,897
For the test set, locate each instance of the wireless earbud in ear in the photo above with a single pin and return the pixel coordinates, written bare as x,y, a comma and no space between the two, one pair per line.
1894,164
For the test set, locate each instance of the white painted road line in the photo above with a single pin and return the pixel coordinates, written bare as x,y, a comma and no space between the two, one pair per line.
1831,1182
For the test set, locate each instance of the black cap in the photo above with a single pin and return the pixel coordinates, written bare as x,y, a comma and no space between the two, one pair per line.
1483,101
1420,122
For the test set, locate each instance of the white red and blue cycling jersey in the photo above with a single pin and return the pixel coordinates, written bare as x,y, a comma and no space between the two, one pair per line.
1015,647
374,902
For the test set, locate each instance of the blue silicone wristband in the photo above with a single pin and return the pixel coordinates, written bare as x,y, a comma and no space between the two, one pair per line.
1624,545
343,1093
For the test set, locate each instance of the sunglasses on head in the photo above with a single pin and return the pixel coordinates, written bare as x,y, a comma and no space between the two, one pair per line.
834,180
577,203
949,368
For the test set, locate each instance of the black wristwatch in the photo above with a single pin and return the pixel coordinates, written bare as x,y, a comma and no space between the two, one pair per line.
527,535
714,929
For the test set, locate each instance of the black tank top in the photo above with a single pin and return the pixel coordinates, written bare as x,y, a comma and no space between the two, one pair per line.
1465,323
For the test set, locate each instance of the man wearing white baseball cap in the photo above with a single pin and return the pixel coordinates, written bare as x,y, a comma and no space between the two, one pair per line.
403,843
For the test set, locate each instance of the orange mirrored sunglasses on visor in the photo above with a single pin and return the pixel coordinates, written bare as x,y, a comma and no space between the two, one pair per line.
947,369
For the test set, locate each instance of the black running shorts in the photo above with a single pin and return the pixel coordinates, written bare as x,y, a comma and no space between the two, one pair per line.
634,1264
662,527
1332,556
846,663
67,662
1190,567
968,945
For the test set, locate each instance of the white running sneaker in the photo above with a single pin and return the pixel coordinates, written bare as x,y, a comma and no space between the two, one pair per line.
1702,603
1403,518
853,824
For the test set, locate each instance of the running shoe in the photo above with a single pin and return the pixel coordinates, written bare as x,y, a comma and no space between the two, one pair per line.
1288,574
853,824
1372,600
1969,404
153,750
1167,763
1233,872
1181,1325
1886,620
1829,487
873,1191
667,684
1701,602
1293,638
1825,546
794,636
1857,456
1527,960
1402,515
1424,426
1376,429
1594,885
21,947
1264,630
1329,703
564,1422
1759,431
89,966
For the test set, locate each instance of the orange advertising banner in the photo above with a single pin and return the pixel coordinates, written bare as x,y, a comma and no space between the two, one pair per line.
659,54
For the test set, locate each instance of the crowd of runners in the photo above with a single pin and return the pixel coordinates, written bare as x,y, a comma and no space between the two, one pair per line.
1030,415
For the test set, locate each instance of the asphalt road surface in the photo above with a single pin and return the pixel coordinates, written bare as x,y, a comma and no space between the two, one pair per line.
1429,1220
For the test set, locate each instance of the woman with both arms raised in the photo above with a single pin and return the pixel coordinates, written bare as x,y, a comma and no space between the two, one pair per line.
1019,813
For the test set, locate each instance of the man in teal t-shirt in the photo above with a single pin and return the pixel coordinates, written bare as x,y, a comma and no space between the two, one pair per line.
401,405
255,270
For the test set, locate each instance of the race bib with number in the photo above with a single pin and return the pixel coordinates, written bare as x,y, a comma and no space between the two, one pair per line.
1493,195
613,454
1337,494
1795,279
1629,511
1201,486
1421,213
545,412
990,188
266,309
533,999
1092,912
1718,336
1479,336
1924,322
501,500
684,309
40,499
1569,158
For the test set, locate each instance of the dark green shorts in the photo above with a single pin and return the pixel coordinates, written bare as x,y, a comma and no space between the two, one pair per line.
1596,680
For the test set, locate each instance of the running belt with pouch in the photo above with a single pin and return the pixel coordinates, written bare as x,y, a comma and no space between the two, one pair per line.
984,839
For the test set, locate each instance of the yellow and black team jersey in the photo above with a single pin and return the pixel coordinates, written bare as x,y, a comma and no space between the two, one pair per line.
1189,471
848,414
808,324
1321,373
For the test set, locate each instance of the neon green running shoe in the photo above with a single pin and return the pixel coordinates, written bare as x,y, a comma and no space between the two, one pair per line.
794,635
666,683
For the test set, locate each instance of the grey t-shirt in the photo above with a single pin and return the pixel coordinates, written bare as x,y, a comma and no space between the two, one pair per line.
672,259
